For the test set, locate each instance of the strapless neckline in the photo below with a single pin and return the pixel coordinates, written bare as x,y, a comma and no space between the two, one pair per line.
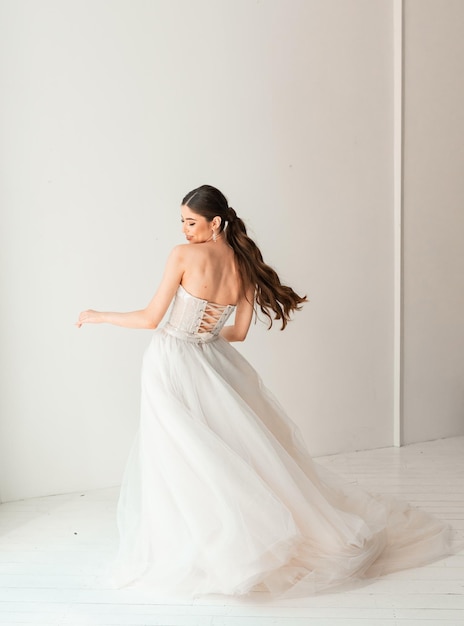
196,319
204,299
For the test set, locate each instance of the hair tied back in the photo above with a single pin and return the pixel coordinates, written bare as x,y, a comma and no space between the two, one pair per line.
231,214
276,301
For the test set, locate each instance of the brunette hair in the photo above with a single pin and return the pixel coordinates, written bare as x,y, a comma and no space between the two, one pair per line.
274,299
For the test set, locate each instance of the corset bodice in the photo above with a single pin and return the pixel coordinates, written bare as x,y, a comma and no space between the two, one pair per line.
195,319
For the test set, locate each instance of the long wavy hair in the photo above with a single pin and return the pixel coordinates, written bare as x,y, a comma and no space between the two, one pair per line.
276,301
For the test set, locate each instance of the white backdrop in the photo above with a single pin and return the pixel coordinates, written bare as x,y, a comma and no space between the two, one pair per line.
112,111
434,220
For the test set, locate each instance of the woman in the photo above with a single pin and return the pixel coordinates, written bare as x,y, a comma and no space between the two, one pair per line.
220,494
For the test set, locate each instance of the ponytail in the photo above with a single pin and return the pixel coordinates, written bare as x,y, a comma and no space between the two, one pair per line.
276,301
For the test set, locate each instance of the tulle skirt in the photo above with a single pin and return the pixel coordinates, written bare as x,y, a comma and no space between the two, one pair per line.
220,494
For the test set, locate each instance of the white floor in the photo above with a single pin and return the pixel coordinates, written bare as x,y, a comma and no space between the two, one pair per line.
53,551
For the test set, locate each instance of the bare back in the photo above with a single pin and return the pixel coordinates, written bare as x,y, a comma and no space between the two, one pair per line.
211,273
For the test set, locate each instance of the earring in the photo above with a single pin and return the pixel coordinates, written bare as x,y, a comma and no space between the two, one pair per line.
214,236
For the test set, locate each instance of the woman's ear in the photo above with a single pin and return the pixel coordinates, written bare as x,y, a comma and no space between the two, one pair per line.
216,222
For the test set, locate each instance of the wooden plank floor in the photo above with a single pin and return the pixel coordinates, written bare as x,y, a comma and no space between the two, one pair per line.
53,552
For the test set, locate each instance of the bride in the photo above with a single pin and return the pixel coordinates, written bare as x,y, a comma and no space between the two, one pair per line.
220,494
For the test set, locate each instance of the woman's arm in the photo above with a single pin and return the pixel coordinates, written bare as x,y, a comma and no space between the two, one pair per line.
153,313
243,315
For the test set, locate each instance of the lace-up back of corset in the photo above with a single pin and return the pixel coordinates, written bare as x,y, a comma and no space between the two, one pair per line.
195,319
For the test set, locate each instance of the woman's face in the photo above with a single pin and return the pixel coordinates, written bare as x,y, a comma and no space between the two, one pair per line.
195,227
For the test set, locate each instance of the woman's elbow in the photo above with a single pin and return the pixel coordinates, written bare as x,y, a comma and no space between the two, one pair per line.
150,323
231,333
238,336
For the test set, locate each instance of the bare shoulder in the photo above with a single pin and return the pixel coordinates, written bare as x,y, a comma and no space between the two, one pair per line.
189,251
177,259
179,249
186,256
179,252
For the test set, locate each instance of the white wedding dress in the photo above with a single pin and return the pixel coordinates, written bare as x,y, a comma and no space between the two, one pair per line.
220,494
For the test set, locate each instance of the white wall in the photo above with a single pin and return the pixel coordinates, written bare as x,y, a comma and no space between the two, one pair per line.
433,220
112,110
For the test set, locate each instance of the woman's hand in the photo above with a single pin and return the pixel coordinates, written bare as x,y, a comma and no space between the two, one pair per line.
131,319
90,317
151,315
